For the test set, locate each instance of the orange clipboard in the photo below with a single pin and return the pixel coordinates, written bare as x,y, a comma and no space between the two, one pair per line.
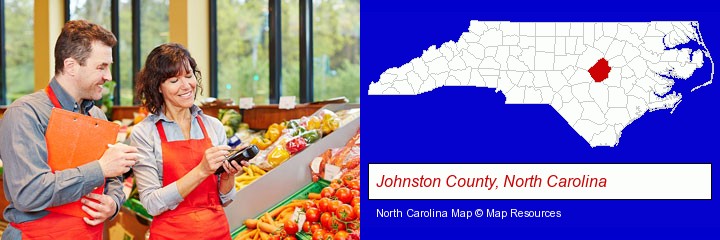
72,140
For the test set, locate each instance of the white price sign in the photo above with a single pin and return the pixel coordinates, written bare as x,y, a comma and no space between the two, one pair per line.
246,103
287,102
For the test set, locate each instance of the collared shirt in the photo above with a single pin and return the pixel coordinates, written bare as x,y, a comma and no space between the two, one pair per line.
149,172
28,181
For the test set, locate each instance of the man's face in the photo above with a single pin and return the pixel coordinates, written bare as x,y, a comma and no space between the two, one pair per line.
96,72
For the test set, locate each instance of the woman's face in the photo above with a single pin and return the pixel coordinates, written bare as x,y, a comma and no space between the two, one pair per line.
179,91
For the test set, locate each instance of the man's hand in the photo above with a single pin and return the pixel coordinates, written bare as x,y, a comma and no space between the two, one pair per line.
118,159
99,207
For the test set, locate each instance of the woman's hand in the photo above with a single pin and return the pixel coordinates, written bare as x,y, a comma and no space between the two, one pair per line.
213,159
234,169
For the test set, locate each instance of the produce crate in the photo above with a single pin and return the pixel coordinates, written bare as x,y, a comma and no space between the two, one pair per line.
285,179
315,187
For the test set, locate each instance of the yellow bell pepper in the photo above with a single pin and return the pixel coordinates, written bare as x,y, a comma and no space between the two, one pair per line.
261,143
314,122
272,134
278,156
330,124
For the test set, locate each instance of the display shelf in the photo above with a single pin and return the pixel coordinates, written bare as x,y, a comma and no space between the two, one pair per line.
285,179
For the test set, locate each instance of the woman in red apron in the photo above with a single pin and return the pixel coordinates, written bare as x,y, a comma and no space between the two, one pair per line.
180,150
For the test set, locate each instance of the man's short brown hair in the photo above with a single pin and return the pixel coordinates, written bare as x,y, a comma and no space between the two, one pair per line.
75,41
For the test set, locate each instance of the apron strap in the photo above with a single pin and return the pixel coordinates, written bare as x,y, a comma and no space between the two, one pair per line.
53,97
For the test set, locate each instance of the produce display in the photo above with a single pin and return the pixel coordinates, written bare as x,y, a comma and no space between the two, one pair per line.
231,120
251,173
283,140
334,163
332,212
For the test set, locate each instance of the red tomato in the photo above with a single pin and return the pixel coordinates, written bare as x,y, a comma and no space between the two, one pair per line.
319,234
333,206
290,238
347,178
341,235
334,185
323,204
356,209
345,213
355,201
306,227
314,227
343,194
312,214
336,225
308,204
327,192
354,184
326,220
328,236
355,193
354,225
290,227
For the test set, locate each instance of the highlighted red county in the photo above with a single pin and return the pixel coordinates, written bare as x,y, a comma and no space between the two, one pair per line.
600,70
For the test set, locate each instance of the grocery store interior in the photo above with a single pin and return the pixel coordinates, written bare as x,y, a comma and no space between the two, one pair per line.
282,76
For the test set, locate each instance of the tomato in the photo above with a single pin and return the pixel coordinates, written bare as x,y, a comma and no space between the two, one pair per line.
308,204
326,220
306,227
319,234
314,227
333,206
274,237
327,192
312,214
354,184
323,204
341,235
355,193
334,185
290,238
347,178
290,227
343,194
345,213
356,209
336,225
354,225
338,181
328,236
355,201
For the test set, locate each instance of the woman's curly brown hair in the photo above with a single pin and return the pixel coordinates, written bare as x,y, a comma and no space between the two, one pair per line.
165,61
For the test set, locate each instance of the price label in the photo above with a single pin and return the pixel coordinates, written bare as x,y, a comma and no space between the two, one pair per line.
246,103
287,102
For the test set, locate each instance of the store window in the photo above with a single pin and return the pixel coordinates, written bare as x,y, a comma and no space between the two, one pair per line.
154,26
290,75
97,11
154,30
125,46
19,65
242,50
336,51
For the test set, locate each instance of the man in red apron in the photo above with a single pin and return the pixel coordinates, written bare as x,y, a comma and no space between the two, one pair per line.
36,192
180,149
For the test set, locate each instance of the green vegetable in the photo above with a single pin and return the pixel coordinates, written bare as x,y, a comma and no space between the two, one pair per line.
312,136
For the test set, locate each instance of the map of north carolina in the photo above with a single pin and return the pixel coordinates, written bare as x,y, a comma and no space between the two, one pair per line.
600,77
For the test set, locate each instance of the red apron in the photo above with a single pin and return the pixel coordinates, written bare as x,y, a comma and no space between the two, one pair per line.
200,215
57,225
